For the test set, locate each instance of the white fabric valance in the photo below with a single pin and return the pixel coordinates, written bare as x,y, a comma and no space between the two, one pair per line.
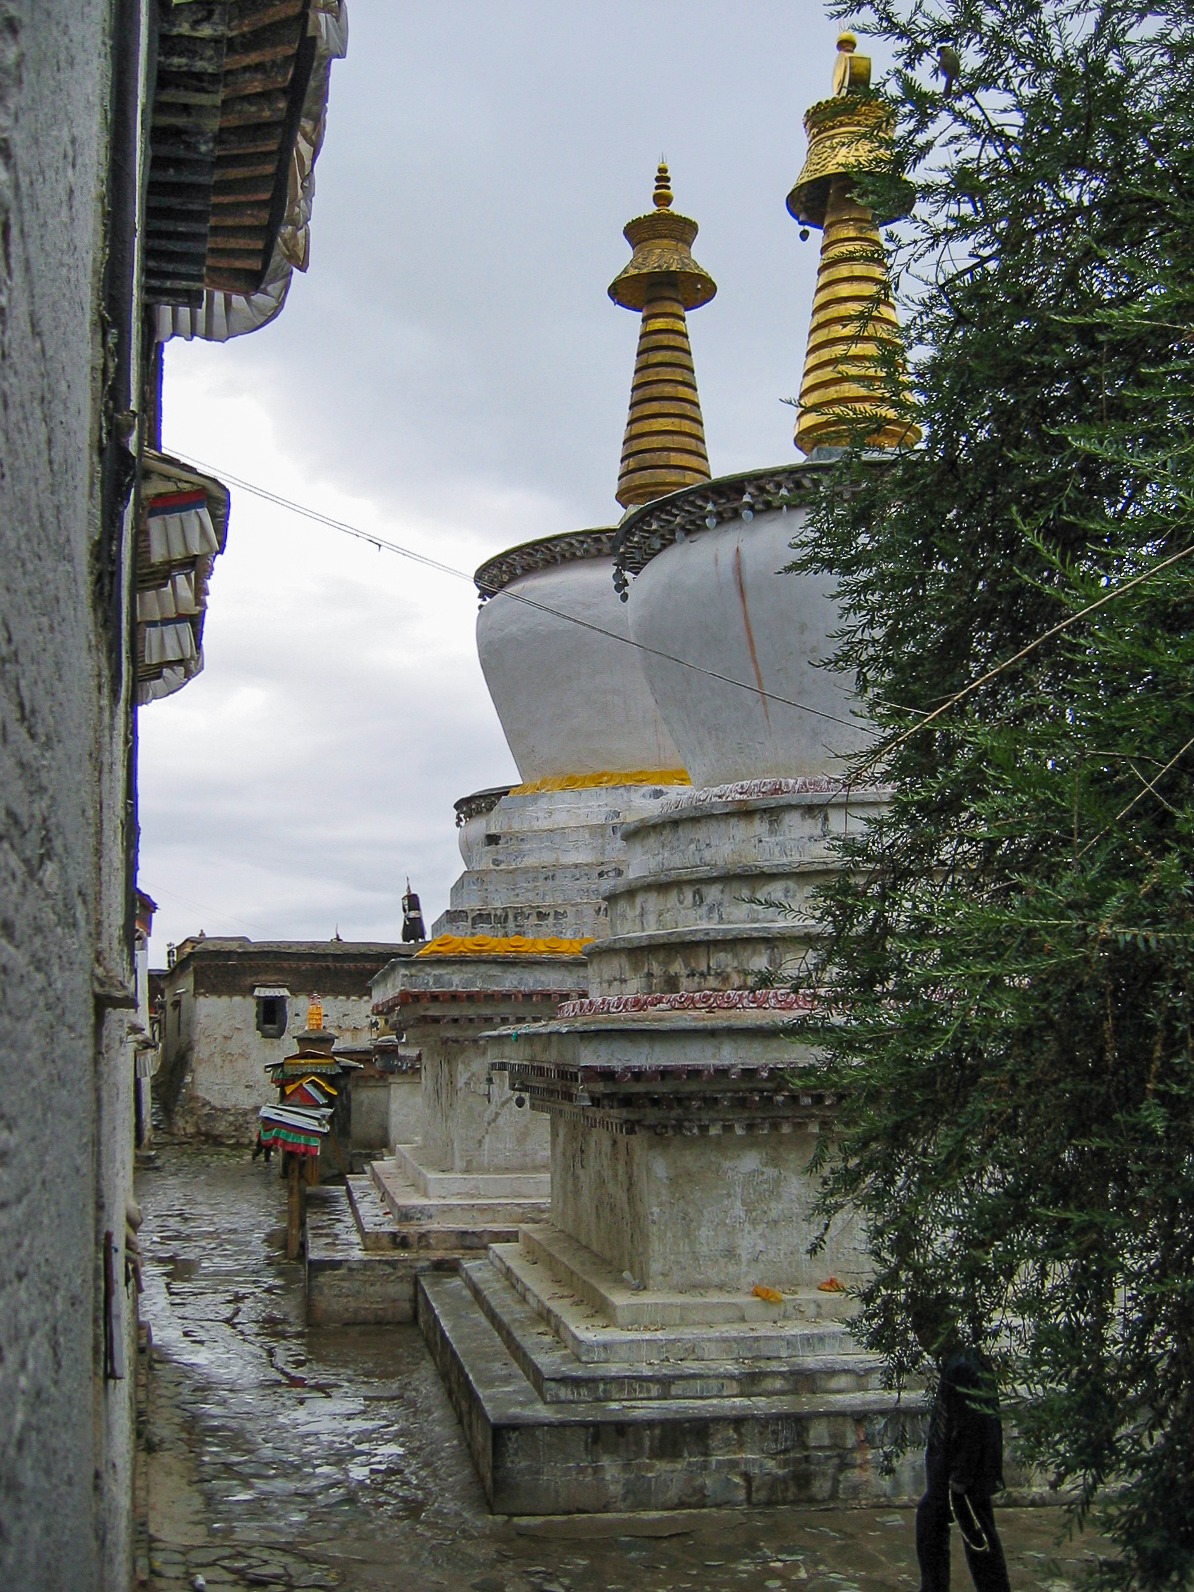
170,642
168,601
174,537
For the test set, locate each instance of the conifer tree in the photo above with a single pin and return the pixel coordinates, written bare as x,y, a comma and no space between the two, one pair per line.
1006,982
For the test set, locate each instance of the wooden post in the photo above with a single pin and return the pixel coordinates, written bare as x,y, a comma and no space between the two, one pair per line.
294,1207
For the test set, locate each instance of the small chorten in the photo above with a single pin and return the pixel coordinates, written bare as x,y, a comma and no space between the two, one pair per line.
315,1039
854,341
664,446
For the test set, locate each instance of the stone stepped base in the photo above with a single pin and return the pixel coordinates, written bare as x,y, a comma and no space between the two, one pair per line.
380,1233
546,1260
348,1285
434,1184
595,1454
822,1360
361,1267
475,1204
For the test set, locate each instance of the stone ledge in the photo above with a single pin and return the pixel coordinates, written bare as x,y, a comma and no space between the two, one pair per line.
799,929
561,1261
347,1285
434,1184
536,1458
409,1208
669,1372
727,872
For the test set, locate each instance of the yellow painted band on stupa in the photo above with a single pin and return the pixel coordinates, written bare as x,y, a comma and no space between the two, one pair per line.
493,945
625,776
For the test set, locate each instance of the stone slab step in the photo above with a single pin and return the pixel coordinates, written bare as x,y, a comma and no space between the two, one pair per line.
408,1207
379,1232
593,1339
433,1184
592,1280
348,1285
351,1285
558,1376
539,1458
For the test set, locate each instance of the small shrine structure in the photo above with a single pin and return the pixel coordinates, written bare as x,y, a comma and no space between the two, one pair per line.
310,1123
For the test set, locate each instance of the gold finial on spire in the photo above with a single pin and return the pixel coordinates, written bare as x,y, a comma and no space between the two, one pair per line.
854,346
314,1015
664,446
851,72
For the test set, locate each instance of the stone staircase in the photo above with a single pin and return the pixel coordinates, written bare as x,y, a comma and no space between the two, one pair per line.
369,1240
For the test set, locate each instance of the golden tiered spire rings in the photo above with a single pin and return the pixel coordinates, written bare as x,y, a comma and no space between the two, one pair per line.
854,348
664,446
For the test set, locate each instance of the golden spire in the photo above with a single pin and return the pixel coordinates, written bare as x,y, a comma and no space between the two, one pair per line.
664,446
854,343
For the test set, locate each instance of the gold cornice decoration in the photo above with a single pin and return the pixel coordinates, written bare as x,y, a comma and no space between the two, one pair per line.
497,945
854,345
609,777
664,446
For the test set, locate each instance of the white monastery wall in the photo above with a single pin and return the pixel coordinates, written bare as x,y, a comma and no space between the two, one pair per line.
226,1082
65,920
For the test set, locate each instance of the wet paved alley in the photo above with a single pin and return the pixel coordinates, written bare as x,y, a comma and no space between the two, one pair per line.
289,1457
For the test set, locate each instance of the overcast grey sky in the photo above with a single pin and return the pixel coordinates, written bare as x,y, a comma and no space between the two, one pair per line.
451,375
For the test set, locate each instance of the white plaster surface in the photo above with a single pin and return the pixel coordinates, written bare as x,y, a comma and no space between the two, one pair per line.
65,723
682,1213
370,1113
571,700
226,1082
718,599
471,1122
405,1124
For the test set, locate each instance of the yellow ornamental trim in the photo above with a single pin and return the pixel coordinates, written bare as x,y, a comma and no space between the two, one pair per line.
493,945
630,776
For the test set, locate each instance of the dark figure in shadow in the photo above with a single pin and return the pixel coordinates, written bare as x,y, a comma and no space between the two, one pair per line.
963,1464
262,1148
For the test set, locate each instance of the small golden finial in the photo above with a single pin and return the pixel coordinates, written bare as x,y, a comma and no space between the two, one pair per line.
854,343
314,1015
664,446
851,72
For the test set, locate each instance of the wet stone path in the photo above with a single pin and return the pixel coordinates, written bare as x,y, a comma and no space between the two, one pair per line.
287,1457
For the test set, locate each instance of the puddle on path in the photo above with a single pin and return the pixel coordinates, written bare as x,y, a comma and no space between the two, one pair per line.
339,1445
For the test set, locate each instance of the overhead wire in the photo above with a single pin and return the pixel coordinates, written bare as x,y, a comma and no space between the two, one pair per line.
383,544
929,717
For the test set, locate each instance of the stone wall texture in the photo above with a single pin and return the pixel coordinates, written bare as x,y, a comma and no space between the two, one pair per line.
64,749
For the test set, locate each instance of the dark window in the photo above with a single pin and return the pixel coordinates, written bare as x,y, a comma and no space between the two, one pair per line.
271,1016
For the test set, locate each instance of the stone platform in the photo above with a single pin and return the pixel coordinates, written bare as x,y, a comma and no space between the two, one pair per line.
553,1434
672,1336
368,1242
